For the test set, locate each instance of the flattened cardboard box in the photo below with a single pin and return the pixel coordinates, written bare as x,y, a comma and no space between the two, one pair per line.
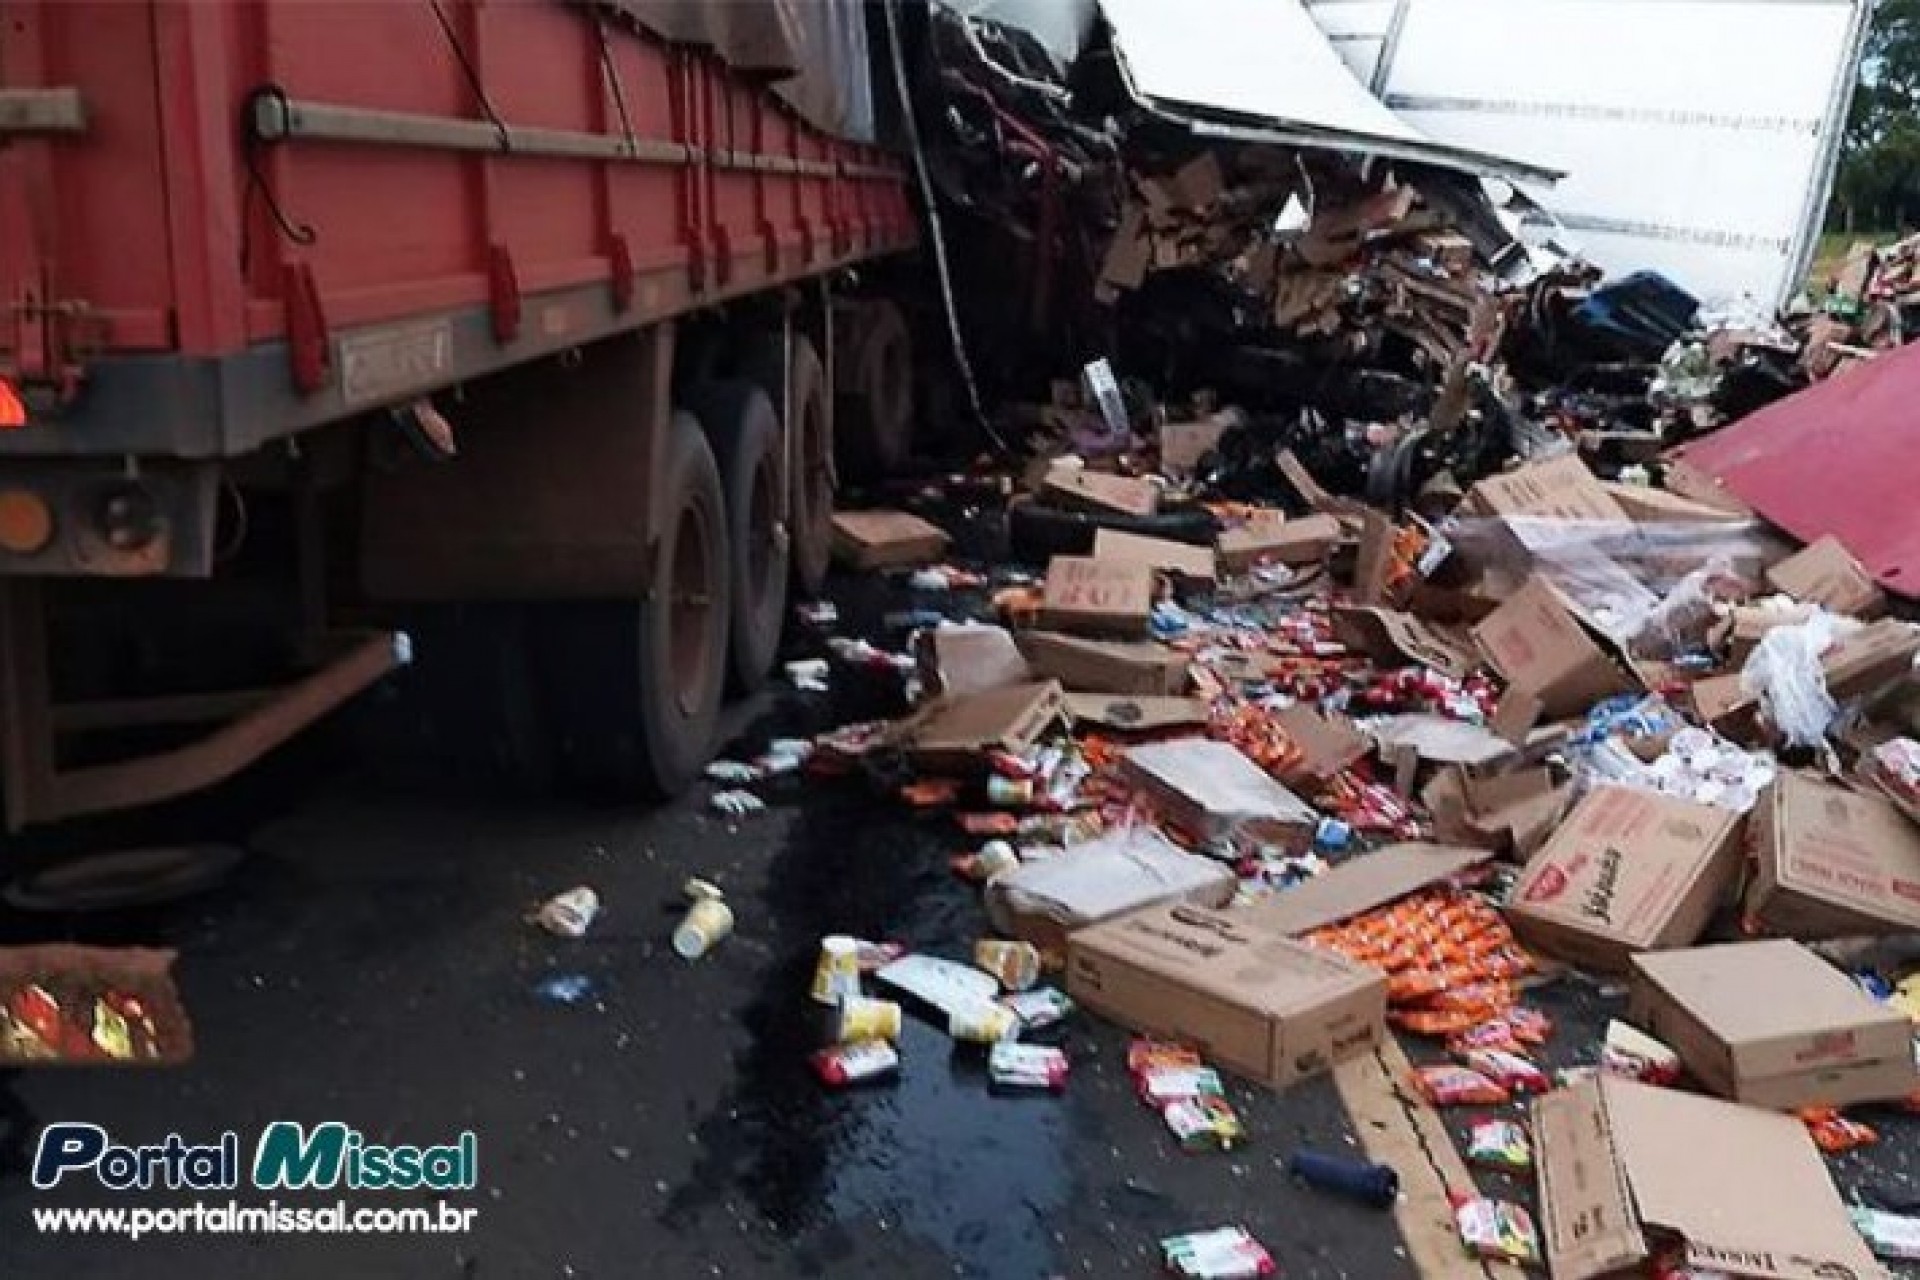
1744,1191
1196,564
1829,862
1114,875
1626,871
1106,666
1250,999
1209,788
1773,1025
952,734
1328,742
1097,597
1129,713
1825,572
1306,540
1358,885
1562,489
1390,635
1085,490
886,539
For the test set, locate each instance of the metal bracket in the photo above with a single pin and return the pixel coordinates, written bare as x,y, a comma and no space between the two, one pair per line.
309,345
620,260
503,294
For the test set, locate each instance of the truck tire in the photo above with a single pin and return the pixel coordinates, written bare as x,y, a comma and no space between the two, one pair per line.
803,387
744,430
873,401
636,686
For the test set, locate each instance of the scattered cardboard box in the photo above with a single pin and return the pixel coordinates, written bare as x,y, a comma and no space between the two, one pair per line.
1744,1191
970,659
1390,636
1210,788
1304,541
1105,666
1560,489
1097,597
1252,1000
951,735
1132,713
1121,872
1507,813
1193,564
1437,739
1540,645
1626,871
1741,630
1830,862
1875,655
1183,444
1083,490
1361,884
886,539
1328,743
1773,1025
1826,573
1645,505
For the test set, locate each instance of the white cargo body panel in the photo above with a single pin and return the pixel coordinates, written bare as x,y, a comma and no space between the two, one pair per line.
1698,136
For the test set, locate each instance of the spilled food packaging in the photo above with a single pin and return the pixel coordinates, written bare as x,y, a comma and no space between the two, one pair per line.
862,1018
836,973
1225,1253
1039,1008
569,914
1016,964
1497,1230
1027,1066
707,922
1500,1144
982,1022
847,1064
1635,1055
1207,1122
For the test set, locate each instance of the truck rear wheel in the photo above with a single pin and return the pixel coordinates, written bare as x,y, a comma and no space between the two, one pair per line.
802,388
744,430
637,686
874,392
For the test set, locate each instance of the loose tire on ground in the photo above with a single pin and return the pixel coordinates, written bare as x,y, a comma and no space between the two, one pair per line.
637,685
744,431
1037,531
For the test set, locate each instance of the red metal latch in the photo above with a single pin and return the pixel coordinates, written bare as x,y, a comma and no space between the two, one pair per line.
52,341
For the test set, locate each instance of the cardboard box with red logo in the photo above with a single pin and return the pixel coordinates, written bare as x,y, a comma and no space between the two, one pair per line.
1771,1024
1830,862
1627,871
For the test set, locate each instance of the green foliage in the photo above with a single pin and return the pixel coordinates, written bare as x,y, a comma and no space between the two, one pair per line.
1879,179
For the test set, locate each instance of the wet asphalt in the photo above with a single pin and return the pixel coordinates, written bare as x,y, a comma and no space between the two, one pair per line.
370,964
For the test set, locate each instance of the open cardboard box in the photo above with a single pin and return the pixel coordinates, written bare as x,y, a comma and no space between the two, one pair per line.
1826,573
952,735
1744,1191
1251,999
1771,1024
1189,563
1547,652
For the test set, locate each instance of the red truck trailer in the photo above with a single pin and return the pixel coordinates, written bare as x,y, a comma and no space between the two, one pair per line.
416,300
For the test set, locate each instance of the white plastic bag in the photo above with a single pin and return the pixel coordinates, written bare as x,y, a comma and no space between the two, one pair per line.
1784,673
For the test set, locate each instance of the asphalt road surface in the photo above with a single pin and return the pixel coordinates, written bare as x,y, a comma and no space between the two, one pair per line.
370,964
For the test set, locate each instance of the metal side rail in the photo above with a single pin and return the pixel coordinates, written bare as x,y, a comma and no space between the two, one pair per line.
38,791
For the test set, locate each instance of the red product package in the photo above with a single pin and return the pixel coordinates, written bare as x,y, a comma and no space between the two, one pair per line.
1450,1086
1833,1133
1510,1071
